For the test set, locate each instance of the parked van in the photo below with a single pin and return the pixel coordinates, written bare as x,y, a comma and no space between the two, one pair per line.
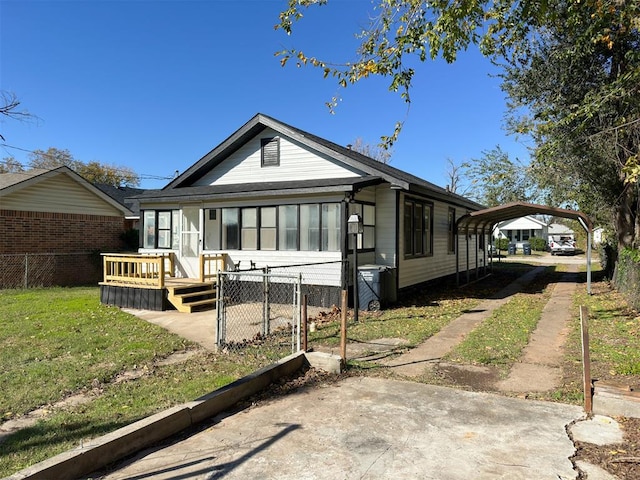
563,244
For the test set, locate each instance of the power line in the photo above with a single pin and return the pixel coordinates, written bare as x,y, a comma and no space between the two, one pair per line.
142,176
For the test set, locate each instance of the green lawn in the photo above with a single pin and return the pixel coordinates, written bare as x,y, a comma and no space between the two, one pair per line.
59,342
62,341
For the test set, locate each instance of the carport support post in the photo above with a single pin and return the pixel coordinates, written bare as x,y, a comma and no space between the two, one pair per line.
589,262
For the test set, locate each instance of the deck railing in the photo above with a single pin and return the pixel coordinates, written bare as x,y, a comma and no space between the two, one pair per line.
150,270
210,264
147,271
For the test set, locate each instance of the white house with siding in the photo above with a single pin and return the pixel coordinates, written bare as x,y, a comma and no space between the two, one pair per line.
271,195
521,230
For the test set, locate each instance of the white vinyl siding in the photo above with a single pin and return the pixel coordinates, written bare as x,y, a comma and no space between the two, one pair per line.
442,263
58,194
296,163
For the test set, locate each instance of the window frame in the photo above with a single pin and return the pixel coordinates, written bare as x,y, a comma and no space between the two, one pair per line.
425,231
170,230
451,231
368,228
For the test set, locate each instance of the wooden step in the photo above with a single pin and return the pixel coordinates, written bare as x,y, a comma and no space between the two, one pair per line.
189,297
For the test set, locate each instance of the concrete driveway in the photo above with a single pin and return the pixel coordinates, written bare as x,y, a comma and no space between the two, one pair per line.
372,428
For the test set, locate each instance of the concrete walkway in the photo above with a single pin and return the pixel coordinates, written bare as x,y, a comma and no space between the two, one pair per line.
539,368
414,362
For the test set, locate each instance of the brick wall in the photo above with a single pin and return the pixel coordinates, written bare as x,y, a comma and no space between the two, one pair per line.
61,247
48,232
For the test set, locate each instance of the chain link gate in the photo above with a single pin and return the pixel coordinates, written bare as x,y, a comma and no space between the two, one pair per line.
259,310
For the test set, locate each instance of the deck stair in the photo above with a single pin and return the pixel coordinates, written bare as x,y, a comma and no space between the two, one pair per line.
193,296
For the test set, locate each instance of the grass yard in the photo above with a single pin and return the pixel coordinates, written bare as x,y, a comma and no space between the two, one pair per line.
58,342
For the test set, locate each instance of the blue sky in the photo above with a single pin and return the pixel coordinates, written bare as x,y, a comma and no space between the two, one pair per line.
155,84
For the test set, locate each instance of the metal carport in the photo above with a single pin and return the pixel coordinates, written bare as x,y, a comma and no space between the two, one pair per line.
481,222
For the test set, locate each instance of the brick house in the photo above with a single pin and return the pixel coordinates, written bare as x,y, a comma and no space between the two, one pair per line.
54,224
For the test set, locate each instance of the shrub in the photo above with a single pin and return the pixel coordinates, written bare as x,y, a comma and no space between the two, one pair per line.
502,244
538,244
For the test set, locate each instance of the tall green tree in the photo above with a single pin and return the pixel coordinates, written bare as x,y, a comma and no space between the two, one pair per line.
571,70
496,179
94,171
575,88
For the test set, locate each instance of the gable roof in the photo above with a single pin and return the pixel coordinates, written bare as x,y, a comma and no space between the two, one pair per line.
525,219
13,182
126,196
374,171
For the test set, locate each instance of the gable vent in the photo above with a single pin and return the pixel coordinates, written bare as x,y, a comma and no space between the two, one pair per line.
270,156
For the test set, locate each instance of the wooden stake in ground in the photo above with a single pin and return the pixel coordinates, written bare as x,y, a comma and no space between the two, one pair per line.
586,361
304,323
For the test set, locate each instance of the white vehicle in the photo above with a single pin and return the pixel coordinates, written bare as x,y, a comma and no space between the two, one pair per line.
563,244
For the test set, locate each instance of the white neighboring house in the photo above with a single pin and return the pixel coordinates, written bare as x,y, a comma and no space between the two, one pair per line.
271,195
520,230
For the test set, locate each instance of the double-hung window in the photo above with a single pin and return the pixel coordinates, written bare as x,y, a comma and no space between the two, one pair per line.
249,231
160,229
418,237
367,213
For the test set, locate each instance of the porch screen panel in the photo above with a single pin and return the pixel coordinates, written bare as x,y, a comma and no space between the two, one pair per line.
331,222
149,225
268,228
249,231
310,227
230,229
212,229
288,227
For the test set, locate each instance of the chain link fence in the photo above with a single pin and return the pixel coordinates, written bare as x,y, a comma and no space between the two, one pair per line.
259,311
30,270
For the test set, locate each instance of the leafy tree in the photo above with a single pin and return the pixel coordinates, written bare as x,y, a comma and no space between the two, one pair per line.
496,179
94,172
571,71
10,165
578,84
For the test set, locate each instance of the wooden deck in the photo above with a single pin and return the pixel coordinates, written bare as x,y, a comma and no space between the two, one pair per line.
148,282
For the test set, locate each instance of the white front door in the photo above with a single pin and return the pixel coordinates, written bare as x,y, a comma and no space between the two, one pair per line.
190,242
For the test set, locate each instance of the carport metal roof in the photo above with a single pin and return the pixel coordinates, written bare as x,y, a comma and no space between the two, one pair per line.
482,221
